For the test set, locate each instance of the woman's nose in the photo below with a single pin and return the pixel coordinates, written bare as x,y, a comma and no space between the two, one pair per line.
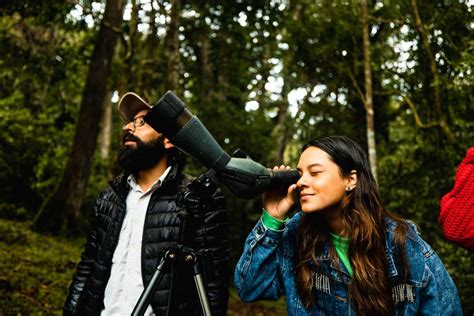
301,181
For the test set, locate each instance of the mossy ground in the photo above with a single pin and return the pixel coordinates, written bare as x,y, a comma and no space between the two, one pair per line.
36,270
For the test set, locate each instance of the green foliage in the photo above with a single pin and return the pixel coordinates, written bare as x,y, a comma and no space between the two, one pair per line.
229,52
41,79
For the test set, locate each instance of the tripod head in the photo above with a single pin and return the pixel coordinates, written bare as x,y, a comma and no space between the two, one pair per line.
193,202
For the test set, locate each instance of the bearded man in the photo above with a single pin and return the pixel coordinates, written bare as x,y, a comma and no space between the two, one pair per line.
136,221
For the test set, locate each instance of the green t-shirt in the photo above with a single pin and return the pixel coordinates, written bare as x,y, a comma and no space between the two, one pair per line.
342,249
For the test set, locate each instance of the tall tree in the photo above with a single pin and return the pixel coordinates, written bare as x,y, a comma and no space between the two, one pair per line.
131,59
64,204
172,47
105,135
281,129
368,101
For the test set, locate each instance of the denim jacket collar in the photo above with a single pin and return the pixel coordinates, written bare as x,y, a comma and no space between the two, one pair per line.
336,269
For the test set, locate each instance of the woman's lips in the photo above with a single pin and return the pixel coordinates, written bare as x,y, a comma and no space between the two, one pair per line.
305,196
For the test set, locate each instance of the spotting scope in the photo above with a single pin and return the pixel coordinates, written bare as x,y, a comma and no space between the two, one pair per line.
243,176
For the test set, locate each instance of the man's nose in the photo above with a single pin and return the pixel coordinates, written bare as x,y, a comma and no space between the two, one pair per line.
128,127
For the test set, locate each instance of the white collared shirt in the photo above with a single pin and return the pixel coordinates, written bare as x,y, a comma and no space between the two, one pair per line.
125,284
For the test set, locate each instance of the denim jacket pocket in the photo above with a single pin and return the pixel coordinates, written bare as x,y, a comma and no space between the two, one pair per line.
331,295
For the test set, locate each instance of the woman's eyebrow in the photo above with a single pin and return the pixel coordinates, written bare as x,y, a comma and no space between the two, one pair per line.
310,166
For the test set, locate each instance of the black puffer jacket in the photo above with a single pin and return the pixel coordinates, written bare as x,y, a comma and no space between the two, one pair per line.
209,232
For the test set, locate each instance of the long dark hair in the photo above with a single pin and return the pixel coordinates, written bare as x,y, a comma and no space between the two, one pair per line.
364,218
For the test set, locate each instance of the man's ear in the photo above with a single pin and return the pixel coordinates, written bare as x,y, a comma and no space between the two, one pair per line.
167,143
352,180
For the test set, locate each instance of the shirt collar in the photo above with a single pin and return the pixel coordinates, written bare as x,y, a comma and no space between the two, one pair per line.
156,184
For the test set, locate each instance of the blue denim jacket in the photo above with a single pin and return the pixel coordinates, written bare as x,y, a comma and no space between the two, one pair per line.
265,271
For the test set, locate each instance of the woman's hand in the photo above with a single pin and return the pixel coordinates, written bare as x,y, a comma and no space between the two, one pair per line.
278,202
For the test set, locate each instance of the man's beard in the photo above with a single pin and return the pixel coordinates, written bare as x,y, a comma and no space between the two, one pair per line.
142,157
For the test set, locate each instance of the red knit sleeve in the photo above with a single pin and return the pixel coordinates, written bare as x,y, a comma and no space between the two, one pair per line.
457,207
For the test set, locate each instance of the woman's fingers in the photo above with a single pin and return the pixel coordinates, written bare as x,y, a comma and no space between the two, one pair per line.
292,188
281,167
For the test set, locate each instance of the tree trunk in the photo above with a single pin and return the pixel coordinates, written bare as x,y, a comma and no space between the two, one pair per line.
207,82
152,39
281,133
368,101
281,129
132,67
64,204
150,60
105,136
172,47
222,72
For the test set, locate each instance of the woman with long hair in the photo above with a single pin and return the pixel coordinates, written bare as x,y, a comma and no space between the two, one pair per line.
343,253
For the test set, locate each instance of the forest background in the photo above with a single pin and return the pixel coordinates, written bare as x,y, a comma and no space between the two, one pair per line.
263,76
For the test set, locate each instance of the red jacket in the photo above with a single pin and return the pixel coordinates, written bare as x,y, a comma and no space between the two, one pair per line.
457,207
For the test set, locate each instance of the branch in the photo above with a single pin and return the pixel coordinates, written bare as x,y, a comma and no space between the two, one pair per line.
387,21
356,86
116,29
416,116
386,92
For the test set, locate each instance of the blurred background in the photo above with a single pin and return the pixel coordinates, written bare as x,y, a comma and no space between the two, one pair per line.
263,76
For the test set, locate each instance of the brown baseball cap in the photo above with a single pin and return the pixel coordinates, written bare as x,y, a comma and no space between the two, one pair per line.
130,104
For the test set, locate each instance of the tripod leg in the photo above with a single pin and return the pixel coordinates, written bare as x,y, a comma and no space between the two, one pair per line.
147,293
206,308
201,289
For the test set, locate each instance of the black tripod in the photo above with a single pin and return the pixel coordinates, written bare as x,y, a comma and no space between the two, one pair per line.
195,198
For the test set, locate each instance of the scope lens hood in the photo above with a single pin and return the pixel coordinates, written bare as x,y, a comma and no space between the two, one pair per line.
168,115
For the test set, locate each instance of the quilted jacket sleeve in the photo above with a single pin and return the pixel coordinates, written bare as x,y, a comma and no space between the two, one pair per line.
83,269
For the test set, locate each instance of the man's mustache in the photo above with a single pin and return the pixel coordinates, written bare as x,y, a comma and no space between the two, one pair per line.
131,137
